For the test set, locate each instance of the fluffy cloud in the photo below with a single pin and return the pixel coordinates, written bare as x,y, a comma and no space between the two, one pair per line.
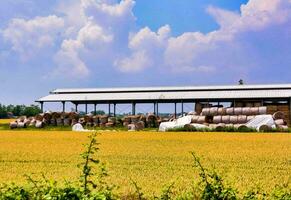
88,37
30,37
104,33
146,47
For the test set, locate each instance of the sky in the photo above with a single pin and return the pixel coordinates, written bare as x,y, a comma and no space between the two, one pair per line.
109,43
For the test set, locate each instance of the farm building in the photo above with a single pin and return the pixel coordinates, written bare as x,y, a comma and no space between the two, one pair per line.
276,97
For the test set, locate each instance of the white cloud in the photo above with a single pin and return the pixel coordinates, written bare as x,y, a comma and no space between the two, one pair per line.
30,37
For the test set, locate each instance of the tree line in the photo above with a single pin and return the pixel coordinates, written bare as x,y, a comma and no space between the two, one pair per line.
18,110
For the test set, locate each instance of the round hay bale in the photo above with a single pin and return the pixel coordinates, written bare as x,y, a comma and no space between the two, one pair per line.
213,111
32,122
250,117
255,111
103,119
112,120
125,124
278,115
126,119
39,124
217,119
109,124
39,117
264,128
242,119
47,116
201,120
152,120
139,125
242,127
56,115
88,118
131,127
21,125
225,119
280,122
194,119
53,121
248,104
283,127
67,122
262,110
230,111
221,111
13,125
73,115
134,118
205,111
96,120
220,126
238,111
246,111
59,122
229,125
233,119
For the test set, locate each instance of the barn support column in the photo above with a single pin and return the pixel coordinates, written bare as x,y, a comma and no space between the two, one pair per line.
76,107
114,109
86,108
133,108
157,109
175,113
289,123
64,106
182,107
155,112
41,106
95,110
109,109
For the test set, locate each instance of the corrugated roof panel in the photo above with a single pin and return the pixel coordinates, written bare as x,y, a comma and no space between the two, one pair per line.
230,94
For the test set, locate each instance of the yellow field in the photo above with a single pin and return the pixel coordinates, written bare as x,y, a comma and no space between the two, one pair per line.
152,159
6,121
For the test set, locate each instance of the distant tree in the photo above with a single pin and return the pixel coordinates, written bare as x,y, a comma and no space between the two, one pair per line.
31,110
98,112
241,82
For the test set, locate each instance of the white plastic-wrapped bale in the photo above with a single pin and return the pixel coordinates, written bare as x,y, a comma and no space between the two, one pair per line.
262,110
213,111
237,111
230,111
194,118
241,119
217,119
233,119
221,111
225,119
250,117
254,111
246,111
201,119
205,111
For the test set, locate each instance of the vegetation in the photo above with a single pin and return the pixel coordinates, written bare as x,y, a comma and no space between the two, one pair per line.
18,110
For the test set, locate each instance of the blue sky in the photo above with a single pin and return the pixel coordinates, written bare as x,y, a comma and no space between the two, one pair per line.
108,43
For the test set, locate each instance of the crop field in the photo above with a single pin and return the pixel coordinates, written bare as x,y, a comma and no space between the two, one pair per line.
5,121
151,159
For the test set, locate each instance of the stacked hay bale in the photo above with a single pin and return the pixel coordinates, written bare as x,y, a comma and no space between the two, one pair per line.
135,122
238,116
103,120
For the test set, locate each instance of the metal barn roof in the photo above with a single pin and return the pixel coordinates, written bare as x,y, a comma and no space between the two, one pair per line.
165,94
